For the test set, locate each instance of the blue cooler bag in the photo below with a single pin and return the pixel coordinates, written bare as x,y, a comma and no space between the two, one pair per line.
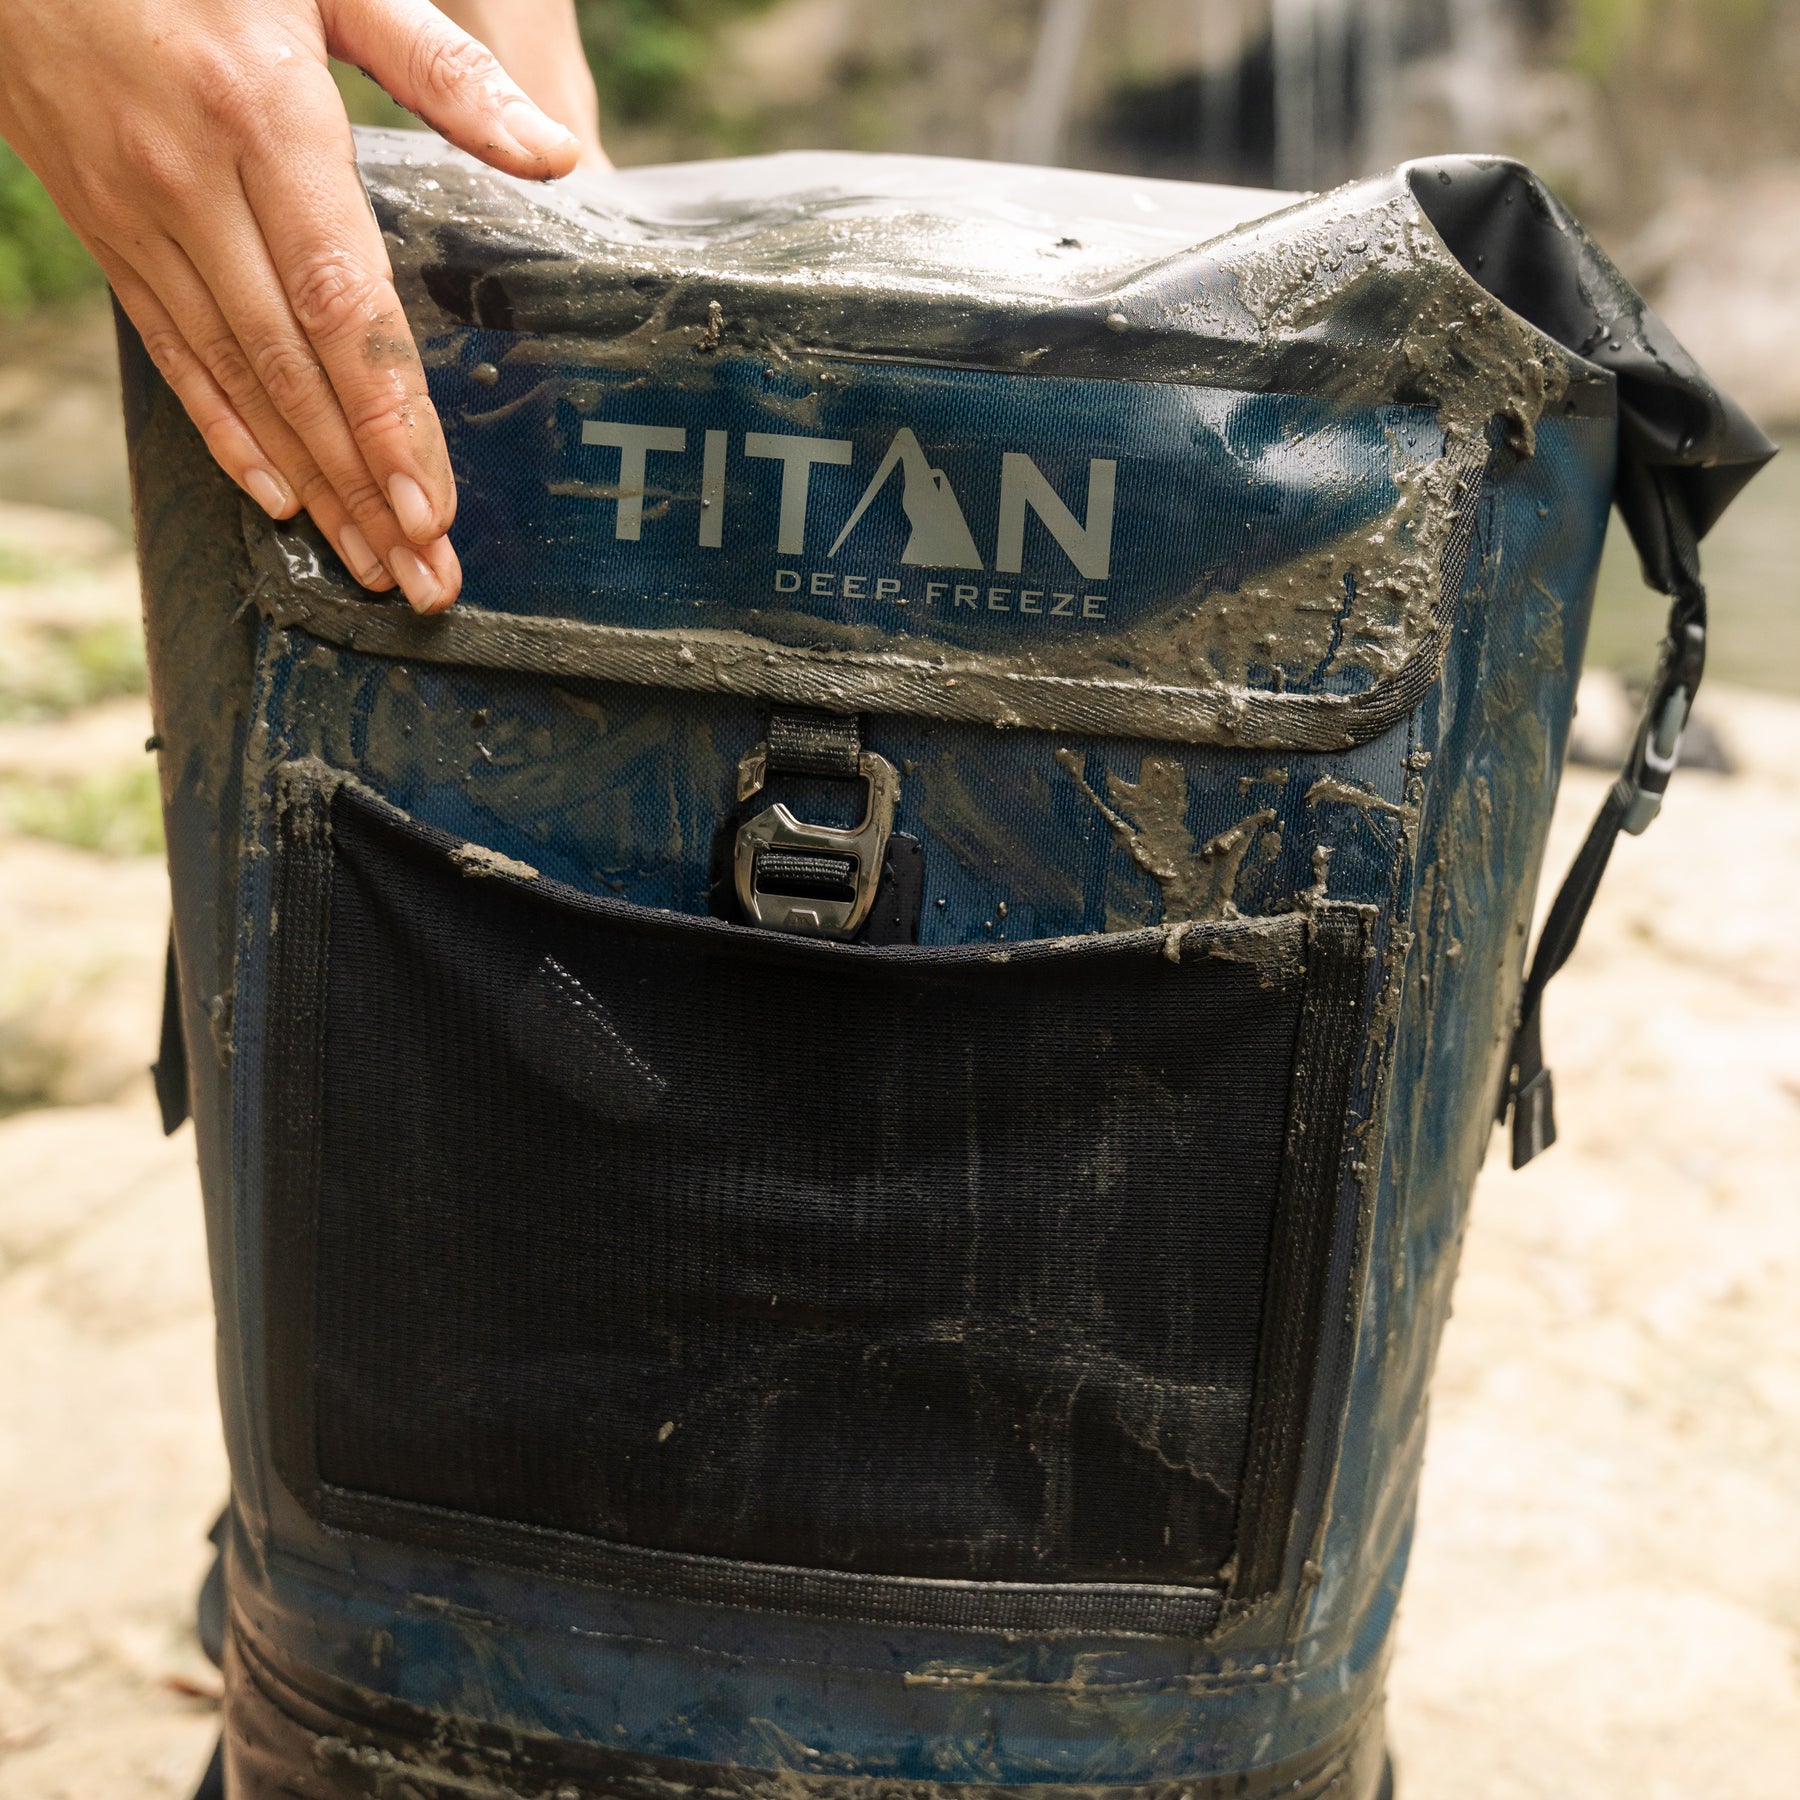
836,1114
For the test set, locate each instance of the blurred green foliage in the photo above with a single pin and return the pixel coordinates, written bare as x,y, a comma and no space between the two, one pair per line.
366,103
647,55
41,259
1599,31
1602,32
118,813
74,667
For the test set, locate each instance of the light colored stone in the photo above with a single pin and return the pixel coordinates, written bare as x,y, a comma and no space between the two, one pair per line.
110,1463
1605,1592
82,942
98,740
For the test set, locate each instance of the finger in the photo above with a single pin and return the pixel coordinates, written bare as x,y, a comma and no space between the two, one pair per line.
354,550
197,320
538,43
319,296
233,445
430,574
280,483
435,69
266,365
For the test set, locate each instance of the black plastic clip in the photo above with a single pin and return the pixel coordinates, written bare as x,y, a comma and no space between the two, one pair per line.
1657,750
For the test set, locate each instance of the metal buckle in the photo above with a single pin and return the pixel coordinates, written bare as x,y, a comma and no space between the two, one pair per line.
830,875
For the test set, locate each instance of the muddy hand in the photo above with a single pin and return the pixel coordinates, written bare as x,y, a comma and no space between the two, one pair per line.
200,149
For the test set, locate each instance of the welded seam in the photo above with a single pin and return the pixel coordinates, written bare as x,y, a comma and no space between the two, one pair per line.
1050,1609
1293,1325
966,687
347,1737
300,953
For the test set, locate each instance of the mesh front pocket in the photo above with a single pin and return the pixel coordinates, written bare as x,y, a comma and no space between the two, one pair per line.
632,1241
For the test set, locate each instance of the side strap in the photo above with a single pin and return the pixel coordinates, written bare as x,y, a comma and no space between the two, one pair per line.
1655,510
169,1073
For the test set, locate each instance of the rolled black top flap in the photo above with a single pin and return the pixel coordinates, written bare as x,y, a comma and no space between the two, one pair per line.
1024,447
1516,238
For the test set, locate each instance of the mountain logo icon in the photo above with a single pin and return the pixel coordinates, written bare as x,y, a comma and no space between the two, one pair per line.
940,536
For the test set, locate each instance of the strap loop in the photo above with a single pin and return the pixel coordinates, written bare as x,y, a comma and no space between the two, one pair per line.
813,743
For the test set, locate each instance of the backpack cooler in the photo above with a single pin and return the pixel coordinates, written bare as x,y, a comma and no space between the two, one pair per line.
836,1115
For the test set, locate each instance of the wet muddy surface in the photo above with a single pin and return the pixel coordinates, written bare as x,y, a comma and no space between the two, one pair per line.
1606,1590
1605,1597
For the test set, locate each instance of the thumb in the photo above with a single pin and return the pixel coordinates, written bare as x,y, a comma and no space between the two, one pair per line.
435,69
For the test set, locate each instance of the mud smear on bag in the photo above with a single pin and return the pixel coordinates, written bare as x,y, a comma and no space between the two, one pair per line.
1197,882
549,764
1351,296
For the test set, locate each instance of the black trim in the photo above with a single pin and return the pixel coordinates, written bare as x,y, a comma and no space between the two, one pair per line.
293,1117
1336,982
1293,1321
169,1073
1044,1608
899,896
1511,234
1633,803
813,743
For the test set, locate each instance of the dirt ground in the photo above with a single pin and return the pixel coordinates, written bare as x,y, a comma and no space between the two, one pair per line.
1605,1594
1605,1598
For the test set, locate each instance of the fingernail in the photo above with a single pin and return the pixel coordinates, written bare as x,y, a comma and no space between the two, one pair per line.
359,559
421,587
411,508
535,132
268,493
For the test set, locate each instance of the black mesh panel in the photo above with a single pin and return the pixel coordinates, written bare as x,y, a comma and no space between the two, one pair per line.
683,1236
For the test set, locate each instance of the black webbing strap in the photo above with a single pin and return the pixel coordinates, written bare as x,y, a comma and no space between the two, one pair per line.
1656,511
169,1073
813,743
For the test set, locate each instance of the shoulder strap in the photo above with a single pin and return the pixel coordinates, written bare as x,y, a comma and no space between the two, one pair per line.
1657,514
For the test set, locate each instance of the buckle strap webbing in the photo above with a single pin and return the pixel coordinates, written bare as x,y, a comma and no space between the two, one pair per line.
813,743
1655,510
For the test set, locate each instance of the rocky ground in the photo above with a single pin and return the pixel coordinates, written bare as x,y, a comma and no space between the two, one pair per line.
1605,1595
1605,1600
110,1462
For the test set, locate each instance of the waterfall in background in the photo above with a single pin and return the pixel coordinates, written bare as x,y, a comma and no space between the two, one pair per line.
1294,44
1301,94
1219,38
1377,85
1334,64
1043,114
1482,50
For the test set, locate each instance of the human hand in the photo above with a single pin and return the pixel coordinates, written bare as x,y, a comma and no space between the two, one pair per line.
538,43
200,150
